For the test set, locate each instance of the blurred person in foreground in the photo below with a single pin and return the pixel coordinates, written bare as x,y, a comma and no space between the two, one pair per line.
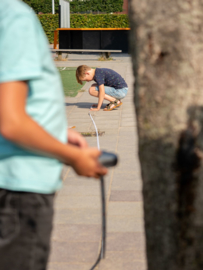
33,140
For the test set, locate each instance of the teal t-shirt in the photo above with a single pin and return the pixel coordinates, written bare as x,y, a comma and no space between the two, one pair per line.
25,55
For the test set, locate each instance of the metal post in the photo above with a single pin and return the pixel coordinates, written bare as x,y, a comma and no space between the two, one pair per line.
68,16
65,14
59,16
53,7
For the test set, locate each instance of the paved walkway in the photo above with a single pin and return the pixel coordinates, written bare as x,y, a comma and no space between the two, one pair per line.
77,225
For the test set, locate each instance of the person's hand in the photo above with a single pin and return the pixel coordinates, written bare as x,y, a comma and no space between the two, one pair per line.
94,109
86,163
76,139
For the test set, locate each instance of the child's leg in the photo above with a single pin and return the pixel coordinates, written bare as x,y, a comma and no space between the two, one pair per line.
95,93
111,94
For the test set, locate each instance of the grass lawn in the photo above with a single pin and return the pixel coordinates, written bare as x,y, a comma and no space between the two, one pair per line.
70,84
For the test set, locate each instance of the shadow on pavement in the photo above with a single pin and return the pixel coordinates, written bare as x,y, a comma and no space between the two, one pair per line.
83,104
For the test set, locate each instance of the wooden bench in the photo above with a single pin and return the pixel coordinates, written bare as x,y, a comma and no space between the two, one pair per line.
106,53
101,40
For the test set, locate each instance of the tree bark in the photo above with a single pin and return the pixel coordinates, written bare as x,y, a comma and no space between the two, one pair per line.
167,52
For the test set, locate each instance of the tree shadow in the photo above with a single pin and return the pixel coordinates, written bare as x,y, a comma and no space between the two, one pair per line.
171,166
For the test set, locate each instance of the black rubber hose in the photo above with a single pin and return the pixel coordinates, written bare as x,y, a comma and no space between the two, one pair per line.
103,242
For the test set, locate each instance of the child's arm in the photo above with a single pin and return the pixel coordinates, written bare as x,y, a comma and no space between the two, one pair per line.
17,126
101,98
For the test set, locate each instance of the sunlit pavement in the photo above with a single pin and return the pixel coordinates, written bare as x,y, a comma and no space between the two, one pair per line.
76,237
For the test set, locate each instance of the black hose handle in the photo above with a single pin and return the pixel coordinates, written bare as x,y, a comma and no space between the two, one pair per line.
108,159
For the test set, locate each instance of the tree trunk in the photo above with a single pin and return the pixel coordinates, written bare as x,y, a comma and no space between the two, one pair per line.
167,53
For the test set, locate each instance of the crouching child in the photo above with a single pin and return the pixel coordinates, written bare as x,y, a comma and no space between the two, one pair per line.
109,85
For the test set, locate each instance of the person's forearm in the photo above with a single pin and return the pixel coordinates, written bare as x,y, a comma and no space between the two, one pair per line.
32,136
101,97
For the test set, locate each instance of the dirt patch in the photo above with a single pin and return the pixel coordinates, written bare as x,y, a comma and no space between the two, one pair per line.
92,134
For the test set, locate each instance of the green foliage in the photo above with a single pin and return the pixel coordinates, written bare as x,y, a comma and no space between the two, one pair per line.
107,6
50,22
78,6
44,6
99,21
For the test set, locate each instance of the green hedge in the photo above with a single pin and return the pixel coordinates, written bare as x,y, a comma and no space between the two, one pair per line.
99,21
107,6
78,6
44,6
50,22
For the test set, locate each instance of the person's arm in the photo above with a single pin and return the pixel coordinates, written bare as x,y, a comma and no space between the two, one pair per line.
101,98
76,139
17,126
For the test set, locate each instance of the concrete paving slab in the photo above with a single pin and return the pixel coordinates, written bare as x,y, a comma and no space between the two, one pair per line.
126,209
123,224
116,111
78,125
77,233
79,190
127,118
122,183
84,128
125,241
75,186
76,121
81,117
124,142
113,260
108,139
74,252
128,104
111,132
125,195
127,148
69,108
128,131
122,260
77,216
109,122
103,117
128,124
127,166
68,266
127,115
128,110
77,202
125,169
107,126
81,111
136,265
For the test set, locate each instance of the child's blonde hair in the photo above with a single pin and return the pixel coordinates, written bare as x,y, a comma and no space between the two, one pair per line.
80,72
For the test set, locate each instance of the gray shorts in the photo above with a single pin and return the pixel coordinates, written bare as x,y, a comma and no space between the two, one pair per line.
25,230
116,93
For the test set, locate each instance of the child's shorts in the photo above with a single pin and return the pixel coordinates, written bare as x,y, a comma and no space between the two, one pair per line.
116,93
